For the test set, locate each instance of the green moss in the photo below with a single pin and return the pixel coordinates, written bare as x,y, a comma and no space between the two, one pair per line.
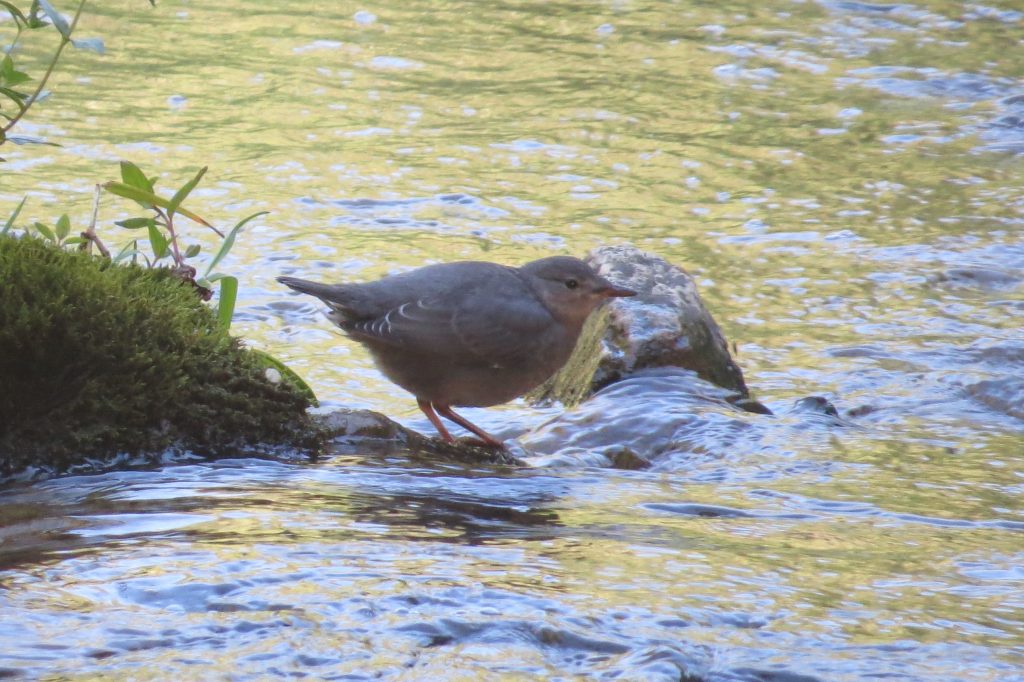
98,359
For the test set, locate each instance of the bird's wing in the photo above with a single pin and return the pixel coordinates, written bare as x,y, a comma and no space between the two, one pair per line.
422,323
496,331
506,332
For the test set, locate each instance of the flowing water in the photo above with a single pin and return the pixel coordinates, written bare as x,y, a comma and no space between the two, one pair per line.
842,178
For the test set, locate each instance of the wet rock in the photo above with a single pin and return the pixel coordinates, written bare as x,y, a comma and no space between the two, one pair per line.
624,458
345,423
364,430
980,277
816,404
1003,355
1002,395
665,325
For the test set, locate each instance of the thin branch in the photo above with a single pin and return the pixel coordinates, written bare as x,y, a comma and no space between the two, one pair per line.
53,63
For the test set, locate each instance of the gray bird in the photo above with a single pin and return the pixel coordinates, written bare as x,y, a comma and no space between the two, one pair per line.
469,333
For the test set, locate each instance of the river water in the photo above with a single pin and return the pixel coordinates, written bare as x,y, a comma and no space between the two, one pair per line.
842,178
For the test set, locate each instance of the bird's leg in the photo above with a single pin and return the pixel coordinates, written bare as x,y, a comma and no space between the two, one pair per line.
486,438
435,420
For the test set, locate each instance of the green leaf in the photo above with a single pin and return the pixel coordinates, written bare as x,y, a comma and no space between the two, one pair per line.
59,22
131,249
70,241
185,190
270,362
34,20
158,242
14,216
131,253
17,97
127,253
193,250
226,303
144,197
15,12
63,228
148,199
16,78
91,44
20,139
9,75
135,223
132,175
229,241
45,231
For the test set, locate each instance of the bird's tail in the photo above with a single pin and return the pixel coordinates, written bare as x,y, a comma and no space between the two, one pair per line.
327,293
336,296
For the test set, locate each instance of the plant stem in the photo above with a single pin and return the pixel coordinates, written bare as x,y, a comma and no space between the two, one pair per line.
53,63
90,232
168,221
178,260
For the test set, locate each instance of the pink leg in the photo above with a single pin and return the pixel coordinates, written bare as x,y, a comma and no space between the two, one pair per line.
435,420
489,440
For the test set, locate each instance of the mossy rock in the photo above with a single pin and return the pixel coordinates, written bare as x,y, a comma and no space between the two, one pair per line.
98,360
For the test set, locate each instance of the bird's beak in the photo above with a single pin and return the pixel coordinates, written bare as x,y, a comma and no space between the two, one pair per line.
609,290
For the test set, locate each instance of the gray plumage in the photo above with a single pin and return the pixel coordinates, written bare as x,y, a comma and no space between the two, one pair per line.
468,333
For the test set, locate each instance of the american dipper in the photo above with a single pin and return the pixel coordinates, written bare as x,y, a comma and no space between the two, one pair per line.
469,333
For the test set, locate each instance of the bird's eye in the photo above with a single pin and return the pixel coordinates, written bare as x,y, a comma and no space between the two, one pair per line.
571,283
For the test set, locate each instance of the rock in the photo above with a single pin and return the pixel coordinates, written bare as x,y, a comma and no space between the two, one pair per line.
979,277
624,458
665,325
816,404
1004,395
345,423
359,431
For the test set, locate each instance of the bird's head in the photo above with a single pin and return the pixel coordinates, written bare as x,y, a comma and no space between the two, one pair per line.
569,288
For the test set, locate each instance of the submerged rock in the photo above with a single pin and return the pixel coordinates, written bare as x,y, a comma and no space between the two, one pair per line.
988,278
99,361
665,325
816,404
670,419
638,421
1004,395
